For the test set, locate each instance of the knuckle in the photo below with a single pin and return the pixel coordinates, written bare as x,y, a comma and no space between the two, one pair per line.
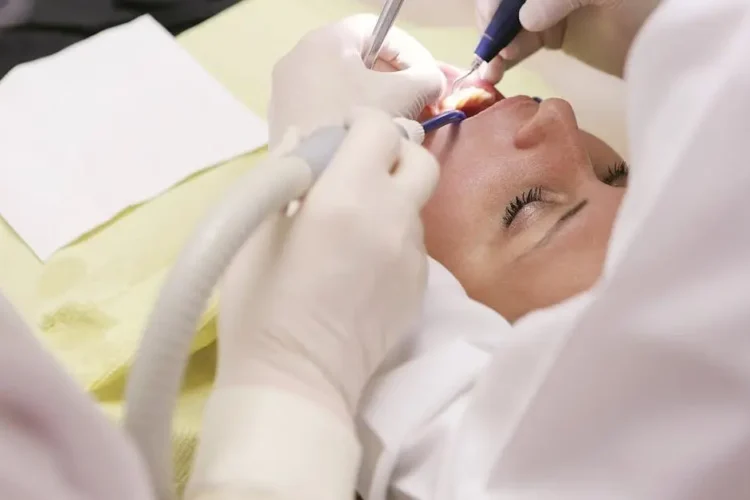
375,136
284,67
339,212
421,155
371,117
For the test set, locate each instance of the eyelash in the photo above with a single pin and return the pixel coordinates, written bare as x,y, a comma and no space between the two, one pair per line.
515,206
615,172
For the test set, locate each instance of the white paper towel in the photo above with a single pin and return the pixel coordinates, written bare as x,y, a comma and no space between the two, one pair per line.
106,124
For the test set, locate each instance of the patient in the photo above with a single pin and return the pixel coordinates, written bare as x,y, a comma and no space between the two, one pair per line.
525,205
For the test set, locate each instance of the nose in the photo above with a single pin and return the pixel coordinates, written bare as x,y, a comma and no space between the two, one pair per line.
554,122
551,141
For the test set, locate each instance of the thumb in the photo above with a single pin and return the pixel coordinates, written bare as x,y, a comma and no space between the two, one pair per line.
407,93
493,71
417,81
539,15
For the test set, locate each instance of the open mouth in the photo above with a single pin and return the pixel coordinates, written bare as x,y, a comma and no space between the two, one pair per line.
472,100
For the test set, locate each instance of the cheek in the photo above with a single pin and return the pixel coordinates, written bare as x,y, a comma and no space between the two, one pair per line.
441,218
567,267
456,225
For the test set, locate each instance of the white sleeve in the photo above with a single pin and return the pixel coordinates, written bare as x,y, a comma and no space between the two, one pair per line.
261,443
54,441
641,387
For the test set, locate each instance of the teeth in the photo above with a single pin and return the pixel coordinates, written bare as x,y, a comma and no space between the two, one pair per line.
469,100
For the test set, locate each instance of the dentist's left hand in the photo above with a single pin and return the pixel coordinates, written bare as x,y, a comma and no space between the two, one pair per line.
314,302
323,77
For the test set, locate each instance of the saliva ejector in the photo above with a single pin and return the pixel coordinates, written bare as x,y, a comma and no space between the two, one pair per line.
160,362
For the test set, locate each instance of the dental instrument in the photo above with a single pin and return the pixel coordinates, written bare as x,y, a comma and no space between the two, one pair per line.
503,28
384,24
443,119
160,362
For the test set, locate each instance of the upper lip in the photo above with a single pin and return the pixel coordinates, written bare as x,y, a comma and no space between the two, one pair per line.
503,101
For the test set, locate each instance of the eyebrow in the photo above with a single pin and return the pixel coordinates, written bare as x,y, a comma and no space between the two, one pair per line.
566,217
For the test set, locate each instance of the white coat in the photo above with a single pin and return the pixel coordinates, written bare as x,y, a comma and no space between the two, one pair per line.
640,387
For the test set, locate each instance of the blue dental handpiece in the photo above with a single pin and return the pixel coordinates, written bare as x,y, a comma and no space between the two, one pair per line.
503,28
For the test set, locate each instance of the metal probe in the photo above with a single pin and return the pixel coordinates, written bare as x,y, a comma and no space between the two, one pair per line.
385,22
382,27
503,28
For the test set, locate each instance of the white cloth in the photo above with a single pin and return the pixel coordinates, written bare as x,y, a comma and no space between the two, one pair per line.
639,387
54,443
409,411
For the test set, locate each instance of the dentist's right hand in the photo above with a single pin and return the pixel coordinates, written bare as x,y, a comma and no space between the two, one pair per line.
309,309
316,300
597,32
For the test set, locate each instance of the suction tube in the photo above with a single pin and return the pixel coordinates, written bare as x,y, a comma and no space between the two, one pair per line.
159,366
441,120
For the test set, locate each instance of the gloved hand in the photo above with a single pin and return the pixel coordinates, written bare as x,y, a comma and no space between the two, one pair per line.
598,32
324,77
313,302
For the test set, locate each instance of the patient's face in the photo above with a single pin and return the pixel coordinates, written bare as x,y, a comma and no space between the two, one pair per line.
525,205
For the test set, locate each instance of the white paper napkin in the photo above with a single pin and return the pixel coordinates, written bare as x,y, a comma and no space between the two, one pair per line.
108,123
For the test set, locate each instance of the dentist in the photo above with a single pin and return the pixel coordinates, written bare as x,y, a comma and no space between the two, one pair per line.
636,389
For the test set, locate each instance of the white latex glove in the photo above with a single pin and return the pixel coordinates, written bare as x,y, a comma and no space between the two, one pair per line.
313,302
324,77
598,32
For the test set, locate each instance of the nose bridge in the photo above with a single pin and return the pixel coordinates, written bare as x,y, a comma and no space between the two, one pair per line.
552,137
554,121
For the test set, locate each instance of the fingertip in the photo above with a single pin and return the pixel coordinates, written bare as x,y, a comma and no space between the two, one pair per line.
493,71
511,52
431,79
528,17
411,90
539,15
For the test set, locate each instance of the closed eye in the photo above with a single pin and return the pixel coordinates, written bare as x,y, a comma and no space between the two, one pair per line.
617,174
515,206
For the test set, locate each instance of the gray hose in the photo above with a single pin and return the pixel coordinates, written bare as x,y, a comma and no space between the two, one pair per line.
160,362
